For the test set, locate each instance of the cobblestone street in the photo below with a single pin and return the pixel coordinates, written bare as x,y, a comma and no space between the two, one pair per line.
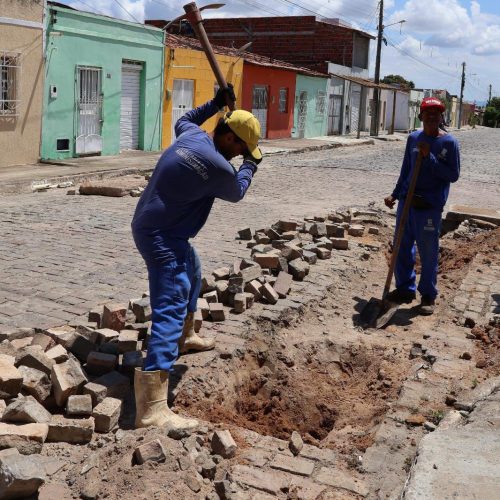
61,256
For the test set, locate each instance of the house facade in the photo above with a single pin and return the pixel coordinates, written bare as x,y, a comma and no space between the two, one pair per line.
103,86
21,80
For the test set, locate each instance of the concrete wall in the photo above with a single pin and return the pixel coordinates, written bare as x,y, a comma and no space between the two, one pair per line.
416,97
315,123
20,135
189,64
279,125
82,39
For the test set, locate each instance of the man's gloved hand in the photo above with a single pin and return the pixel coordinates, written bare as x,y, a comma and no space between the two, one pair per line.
224,95
390,201
251,159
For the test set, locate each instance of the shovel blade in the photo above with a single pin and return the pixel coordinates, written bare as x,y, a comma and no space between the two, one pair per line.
387,312
370,312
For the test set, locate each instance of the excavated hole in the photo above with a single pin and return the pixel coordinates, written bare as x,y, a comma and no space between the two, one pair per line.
316,388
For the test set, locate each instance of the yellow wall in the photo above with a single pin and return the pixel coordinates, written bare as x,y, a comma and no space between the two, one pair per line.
191,64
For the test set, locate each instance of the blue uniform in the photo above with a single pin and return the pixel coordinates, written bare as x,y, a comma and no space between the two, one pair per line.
423,226
175,205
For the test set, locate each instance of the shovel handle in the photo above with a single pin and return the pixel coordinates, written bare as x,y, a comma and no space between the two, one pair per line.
402,223
193,15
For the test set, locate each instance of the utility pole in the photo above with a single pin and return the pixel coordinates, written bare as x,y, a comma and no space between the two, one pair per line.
489,96
461,96
376,91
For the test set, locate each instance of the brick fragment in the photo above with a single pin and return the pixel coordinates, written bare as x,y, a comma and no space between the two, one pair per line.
114,316
269,294
106,414
26,410
283,284
27,438
127,341
223,444
152,451
340,243
99,363
70,430
67,379
217,312
79,406
36,383
58,353
20,476
11,379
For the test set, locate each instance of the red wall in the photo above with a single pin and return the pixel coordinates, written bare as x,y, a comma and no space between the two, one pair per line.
279,125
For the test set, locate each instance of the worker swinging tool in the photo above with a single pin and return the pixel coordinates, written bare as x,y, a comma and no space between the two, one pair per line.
188,177
430,164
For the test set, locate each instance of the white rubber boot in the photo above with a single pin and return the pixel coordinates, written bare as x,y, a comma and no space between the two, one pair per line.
151,389
191,341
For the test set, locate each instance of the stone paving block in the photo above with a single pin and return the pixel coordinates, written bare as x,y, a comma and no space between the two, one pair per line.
258,479
339,479
324,242
310,257
112,384
324,253
318,229
36,383
53,491
291,252
245,234
27,438
34,357
340,243
211,297
197,320
78,345
222,289
70,430
152,451
306,489
255,288
105,335
127,341
130,361
26,410
217,312
334,230
79,406
266,260
287,225
95,316
20,476
16,333
67,379
141,309
298,269
221,273
99,363
283,284
294,465
11,379
356,230
240,303
269,294
207,284
106,414
43,340
202,306
250,273
21,343
58,353
114,316
223,444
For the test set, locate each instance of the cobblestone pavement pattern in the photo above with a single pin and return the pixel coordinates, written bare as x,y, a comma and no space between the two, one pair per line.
61,256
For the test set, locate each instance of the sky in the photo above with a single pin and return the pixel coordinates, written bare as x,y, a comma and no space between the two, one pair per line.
428,48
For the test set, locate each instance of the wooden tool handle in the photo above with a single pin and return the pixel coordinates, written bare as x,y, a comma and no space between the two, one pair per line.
193,15
402,223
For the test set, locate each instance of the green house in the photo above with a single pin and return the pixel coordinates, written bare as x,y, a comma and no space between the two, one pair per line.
103,85
311,106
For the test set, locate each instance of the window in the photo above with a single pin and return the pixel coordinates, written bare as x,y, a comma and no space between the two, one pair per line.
320,102
283,102
9,76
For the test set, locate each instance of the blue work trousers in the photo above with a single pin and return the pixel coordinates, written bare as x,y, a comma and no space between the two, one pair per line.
423,228
174,272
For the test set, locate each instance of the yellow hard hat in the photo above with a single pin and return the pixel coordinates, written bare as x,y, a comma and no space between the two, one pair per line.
247,128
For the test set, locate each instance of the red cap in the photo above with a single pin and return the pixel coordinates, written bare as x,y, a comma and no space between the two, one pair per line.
432,102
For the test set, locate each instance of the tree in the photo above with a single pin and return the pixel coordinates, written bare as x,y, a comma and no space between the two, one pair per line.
398,80
491,115
495,103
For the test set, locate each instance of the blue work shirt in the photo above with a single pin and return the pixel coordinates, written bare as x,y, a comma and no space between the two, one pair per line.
188,177
437,171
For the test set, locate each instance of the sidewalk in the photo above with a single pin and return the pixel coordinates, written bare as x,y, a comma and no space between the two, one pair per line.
18,178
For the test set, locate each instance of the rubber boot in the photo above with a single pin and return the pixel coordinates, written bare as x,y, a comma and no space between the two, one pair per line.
151,389
191,341
427,305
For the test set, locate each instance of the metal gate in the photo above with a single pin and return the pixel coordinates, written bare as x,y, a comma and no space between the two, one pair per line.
259,107
89,104
182,100
302,115
334,114
130,105
355,104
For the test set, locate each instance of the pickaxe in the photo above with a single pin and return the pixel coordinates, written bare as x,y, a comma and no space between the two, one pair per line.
193,16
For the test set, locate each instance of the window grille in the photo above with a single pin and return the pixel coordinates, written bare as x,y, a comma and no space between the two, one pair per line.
320,102
283,102
9,83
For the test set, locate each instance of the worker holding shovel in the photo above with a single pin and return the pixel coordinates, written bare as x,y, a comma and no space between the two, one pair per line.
173,208
440,166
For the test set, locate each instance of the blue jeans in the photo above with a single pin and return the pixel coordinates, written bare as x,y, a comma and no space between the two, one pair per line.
174,272
423,228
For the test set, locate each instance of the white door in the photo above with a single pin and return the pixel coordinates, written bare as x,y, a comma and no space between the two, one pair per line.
334,114
259,107
355,104
302,115
89,103
182,100
130,106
